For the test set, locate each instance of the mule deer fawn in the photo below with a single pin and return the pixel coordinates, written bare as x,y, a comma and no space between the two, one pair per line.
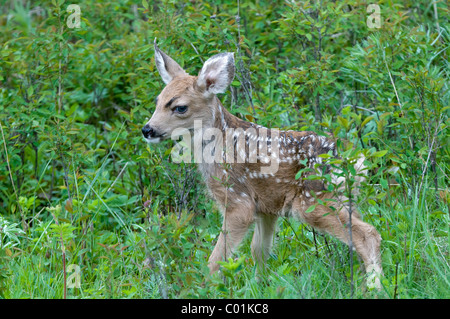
254,192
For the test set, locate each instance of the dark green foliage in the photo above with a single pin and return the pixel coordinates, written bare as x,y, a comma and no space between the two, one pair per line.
73,102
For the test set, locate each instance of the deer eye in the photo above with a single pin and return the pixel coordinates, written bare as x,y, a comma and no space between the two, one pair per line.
180,109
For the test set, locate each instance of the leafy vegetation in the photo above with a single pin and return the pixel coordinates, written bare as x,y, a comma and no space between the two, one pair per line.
78,186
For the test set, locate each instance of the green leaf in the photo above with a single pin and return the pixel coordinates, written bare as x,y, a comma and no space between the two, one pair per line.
30,91
346,110
379,153
343,122
311,208
384,183
366,120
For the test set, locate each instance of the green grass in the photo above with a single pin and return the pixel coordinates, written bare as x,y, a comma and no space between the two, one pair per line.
168,257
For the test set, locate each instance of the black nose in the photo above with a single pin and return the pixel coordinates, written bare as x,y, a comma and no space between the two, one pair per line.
147,131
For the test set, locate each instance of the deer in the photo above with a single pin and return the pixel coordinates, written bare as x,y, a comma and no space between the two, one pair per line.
255,193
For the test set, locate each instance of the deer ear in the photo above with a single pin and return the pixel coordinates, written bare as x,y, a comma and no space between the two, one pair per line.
217,73
167,67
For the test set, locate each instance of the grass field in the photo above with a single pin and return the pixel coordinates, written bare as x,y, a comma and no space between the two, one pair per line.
167,257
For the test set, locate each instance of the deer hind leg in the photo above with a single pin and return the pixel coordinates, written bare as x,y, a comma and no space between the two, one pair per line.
365,238
235,225
263,237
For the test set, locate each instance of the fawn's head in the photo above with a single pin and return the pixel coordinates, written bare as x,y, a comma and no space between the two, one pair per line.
187,98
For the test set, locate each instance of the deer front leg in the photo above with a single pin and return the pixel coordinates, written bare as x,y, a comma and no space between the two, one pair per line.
235,225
